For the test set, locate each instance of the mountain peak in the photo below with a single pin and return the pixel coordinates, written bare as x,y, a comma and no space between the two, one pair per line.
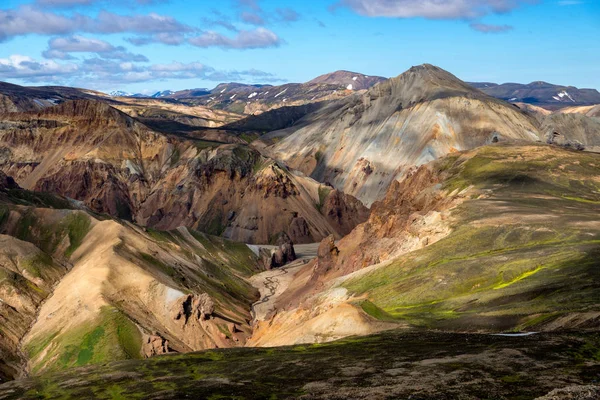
426,82
348,79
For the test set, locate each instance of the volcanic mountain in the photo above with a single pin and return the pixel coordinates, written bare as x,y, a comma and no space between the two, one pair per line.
347,79
362,143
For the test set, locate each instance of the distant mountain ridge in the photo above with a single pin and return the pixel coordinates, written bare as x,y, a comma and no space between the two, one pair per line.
244,98
540,93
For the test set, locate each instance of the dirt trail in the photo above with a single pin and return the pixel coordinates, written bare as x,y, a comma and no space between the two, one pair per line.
271,284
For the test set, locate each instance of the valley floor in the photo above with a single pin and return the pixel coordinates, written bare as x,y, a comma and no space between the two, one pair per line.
393,364
271,284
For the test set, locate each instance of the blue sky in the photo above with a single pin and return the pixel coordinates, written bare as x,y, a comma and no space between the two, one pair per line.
150,45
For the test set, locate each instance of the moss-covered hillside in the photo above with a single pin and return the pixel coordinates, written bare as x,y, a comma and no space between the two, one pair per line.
392,365
524,252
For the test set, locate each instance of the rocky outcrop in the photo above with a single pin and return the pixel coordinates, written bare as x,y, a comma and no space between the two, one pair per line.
572,130
343,211
154,345
327,257
193,307
281,255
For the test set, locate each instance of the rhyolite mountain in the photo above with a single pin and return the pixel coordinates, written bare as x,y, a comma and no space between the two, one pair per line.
541,94
14,98
364,142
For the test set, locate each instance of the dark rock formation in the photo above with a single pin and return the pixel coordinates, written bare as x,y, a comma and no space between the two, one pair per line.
6,182
283,254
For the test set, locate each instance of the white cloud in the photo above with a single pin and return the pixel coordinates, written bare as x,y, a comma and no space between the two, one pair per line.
488,28
23,67
252,39
28,20
61,47
433,9
104,73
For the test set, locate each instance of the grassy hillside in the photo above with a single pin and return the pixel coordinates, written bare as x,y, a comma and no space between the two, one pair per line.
394,364
524,252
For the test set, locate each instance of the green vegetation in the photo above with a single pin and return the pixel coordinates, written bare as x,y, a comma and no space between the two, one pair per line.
323,193
159,265
37,264
237,107
420,364
249,137
112,337
215,226
77,226
374,311
175,157
205,144
47,235
319,155
38,199
161,236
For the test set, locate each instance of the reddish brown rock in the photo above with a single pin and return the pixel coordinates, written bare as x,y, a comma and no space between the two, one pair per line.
198,307
343,211
155,345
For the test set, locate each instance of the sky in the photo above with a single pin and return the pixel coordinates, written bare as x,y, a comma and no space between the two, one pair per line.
143,46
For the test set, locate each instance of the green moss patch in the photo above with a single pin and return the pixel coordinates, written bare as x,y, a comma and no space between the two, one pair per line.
112,337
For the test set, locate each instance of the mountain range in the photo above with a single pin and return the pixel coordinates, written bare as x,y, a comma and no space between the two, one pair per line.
432,216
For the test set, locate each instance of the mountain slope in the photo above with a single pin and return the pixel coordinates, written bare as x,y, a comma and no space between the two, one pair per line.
503,237
361,144
588,111
78,288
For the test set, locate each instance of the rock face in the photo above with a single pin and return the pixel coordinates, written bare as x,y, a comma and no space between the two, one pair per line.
572,130
92,152
344,211
327,256
361,144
